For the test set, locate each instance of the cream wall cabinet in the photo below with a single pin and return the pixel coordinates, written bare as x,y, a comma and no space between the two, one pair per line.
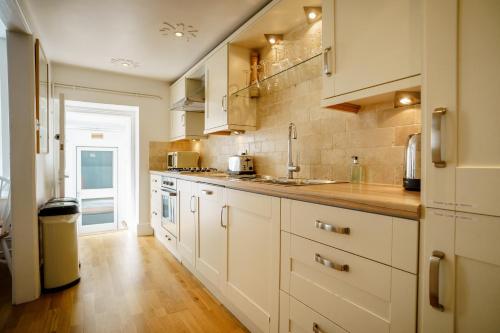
460,272
187,219
463,79
253,238
370,48
224,113
186,125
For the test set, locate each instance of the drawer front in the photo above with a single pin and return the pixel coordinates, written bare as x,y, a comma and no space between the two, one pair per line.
299,318
155,181
357,298
211,192
166,238
365,234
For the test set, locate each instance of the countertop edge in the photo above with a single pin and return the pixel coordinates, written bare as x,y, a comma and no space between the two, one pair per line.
335,200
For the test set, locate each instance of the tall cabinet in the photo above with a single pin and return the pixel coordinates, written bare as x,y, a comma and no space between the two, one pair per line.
461,264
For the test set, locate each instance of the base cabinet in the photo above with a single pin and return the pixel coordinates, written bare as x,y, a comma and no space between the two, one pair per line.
187,219
460,272
253,236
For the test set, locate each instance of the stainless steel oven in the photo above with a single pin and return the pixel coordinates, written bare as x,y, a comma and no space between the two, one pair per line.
169,204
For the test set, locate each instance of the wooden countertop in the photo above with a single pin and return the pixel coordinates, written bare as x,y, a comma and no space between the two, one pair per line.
373,198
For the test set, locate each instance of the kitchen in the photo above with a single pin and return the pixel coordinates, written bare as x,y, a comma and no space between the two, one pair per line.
330,166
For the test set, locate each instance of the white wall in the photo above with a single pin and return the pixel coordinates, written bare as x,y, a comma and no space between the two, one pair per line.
153,114
21,72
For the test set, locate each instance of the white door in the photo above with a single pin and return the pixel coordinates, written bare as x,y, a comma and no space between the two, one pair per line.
96,182
460,272
216,90
461,118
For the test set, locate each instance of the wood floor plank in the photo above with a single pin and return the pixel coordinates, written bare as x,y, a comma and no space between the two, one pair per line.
128,284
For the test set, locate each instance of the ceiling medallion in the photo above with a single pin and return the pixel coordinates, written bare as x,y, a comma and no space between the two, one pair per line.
179,30
127,63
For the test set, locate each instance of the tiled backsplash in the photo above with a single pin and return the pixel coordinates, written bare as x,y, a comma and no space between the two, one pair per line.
326,138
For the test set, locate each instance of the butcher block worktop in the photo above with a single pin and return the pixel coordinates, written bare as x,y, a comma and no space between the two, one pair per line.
380,199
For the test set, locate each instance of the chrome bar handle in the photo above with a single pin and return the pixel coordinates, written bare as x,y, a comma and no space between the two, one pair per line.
327,263
316,328
224,103
207,192
183,120
191,209
221,215
436,137
435,260
333,228
326,61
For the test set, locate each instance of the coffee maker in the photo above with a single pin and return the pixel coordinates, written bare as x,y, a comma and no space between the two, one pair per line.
412,166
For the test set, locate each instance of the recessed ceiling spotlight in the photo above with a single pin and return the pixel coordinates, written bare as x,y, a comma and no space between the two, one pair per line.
127,63
179,30
312,13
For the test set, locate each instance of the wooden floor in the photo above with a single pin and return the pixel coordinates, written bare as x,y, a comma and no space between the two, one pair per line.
129,284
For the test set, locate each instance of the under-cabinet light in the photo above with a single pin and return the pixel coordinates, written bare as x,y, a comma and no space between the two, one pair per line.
312,13
274,38
405,98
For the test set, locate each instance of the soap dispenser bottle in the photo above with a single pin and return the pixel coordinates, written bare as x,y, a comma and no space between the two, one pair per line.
356,171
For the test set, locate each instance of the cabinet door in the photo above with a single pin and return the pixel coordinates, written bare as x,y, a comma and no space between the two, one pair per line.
252,280
211,242
216,90
177,124
462,78
187,202
461,267
155,207
376,42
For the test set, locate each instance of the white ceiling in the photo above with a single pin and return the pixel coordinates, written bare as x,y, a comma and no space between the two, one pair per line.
89,33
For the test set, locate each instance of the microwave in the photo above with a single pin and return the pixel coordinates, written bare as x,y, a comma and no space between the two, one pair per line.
182,159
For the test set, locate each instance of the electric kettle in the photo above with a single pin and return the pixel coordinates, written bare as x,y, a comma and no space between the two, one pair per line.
412,167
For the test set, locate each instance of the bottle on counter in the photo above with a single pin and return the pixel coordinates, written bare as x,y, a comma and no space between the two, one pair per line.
356,171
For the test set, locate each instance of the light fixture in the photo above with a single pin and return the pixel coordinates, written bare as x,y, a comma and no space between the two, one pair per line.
274,39
127,63
238,132
179,30
312,13
406,98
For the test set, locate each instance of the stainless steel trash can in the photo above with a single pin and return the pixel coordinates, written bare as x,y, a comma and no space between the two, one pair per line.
59,245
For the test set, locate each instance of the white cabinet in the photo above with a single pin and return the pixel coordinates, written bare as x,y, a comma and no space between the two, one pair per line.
370,48
155,201
186,125
352,269
223,113
187,218
461,272
462,77
211,236
253,237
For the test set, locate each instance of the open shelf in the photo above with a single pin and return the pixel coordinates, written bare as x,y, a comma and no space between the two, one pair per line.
300,72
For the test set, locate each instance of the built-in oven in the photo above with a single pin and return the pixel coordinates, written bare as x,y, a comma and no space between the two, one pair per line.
169,204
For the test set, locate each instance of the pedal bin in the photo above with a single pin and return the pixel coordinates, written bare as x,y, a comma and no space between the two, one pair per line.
59,245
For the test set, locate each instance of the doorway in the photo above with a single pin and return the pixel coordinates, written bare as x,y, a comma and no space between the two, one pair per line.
100,170
97,188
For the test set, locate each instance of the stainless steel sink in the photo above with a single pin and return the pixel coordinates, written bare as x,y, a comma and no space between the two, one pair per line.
291,182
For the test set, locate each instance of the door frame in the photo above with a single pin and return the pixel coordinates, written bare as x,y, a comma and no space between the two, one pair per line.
94,193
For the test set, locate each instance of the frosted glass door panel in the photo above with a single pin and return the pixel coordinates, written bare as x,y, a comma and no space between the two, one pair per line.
97,169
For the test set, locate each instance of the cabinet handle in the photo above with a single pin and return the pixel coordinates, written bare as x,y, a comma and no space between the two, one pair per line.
332,228
207,192
327,263
193,210
221,215
436,139
183,120
168,238
326,61
434,262
224,103
316,328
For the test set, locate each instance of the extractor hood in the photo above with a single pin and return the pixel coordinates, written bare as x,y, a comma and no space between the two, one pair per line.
190,96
